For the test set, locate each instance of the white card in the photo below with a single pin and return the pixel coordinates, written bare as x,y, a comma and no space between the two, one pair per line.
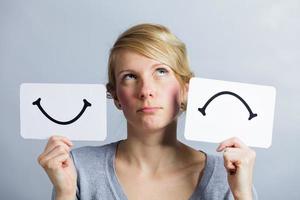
218,110
76,111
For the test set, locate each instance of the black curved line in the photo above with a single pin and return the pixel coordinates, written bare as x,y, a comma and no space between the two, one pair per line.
251,114
38,103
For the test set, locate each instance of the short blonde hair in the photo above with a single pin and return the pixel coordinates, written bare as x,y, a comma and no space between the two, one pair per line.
156,42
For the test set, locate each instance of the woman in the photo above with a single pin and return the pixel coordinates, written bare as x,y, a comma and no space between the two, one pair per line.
148,80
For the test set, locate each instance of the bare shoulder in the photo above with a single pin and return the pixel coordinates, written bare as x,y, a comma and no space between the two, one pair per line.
194,160
192,154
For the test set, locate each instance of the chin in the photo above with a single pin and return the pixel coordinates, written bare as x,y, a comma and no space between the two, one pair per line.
150,126
154,125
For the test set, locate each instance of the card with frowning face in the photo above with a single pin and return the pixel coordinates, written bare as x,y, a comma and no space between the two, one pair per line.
76,111
218,110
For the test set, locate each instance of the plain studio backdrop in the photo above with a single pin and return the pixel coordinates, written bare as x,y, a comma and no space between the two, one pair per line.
68,41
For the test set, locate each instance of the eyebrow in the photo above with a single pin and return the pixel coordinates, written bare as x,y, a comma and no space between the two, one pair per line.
128,70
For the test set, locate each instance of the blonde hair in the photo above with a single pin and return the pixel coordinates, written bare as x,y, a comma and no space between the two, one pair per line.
156,42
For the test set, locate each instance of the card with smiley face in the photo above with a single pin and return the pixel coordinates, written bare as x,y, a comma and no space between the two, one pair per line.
218,110
76,111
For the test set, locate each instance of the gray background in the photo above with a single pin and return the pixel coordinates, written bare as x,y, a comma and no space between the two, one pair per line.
60,41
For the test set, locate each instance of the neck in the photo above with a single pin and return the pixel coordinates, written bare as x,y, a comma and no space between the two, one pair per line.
150,151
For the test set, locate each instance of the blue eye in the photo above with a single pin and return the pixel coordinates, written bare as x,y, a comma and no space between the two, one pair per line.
128,76
161,71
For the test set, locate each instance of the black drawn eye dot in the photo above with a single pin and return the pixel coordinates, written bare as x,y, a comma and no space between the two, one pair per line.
85,105
251,114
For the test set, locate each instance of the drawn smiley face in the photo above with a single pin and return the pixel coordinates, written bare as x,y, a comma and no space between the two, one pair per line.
75,111
85,105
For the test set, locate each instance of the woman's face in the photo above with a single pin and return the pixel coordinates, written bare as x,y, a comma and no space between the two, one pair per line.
147,90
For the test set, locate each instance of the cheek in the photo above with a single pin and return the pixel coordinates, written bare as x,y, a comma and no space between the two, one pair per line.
172,94
124,97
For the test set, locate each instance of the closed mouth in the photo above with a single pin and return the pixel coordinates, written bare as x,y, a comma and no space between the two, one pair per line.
149,109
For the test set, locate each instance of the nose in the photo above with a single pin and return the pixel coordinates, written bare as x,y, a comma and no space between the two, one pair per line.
146,89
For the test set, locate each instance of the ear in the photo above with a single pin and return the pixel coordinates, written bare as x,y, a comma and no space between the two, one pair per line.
184,96
116,100
186,87
185,91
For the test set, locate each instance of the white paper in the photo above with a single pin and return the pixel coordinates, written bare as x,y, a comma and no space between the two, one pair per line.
226,114
76,111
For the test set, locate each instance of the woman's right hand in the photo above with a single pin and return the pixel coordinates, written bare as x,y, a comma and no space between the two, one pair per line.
59,166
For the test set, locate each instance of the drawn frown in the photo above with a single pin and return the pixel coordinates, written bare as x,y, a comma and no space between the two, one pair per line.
251,114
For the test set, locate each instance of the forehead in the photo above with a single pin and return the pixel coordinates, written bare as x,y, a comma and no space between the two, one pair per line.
130,59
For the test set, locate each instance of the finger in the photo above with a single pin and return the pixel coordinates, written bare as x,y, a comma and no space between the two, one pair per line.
56,144
233,150
237,158
232,159
46,157
56,162
243,156
67,162
231,142
56,141
234,154
230,167
60,138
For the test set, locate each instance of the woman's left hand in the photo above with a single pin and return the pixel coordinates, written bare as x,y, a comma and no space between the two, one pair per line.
239,162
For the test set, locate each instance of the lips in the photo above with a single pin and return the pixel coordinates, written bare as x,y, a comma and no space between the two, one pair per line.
149,109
